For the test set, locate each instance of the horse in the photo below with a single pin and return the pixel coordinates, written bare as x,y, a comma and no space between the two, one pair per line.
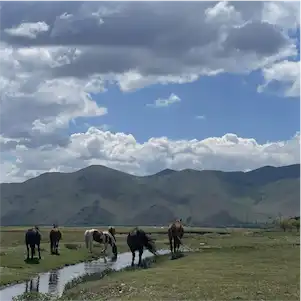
33,238
175,234
102,237
137,239
55,236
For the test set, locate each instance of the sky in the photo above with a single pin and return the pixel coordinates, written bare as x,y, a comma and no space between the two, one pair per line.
145,86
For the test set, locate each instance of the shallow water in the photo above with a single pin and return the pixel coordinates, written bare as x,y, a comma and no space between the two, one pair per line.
53,282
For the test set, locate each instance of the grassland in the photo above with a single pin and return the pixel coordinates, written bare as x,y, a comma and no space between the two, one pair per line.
72,250
233,264
243,265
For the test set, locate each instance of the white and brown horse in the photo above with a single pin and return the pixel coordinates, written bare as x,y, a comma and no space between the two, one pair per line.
102,237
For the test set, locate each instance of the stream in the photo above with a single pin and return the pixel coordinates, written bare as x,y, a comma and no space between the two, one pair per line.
53,282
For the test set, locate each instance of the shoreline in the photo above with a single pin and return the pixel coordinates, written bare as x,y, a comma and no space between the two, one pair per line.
25,279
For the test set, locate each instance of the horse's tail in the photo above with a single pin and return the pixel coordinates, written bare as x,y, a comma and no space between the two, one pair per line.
87,239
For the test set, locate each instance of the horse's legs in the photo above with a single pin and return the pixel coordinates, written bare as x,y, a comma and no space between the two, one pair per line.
140,257
178,245
32,247
133,257
27,247
90,245
170,243
104,255
174,244
114,251
57,248
39,250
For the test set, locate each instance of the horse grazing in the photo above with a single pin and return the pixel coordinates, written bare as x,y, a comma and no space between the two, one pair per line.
102,237
33,238
175,234
55,236
137,239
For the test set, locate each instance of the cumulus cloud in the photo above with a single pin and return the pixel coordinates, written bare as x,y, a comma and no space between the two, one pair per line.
155,42
28,30
55,57
165,102
286,75
123,152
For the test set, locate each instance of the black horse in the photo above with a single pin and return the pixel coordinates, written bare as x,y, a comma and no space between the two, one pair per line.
55,236
33,238
137,239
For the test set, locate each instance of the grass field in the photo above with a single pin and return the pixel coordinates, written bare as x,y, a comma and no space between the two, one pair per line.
239,266
72,249
13,250
243,264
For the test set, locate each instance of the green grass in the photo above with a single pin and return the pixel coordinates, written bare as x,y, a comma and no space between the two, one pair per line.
243,264
72,250
246,266
13,253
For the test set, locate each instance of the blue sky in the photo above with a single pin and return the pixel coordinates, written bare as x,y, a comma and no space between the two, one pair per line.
138,87
230,104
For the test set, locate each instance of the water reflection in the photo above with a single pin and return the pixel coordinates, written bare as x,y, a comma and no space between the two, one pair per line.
94,267
53,281
32,285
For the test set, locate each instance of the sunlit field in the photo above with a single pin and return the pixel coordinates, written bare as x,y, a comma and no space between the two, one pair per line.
225,264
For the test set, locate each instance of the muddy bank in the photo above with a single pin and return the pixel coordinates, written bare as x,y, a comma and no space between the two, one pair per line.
54,282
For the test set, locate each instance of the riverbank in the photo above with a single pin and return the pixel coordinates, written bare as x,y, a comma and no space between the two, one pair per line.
255,266
72,249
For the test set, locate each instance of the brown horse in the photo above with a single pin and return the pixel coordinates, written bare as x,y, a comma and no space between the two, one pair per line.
175,234
55,236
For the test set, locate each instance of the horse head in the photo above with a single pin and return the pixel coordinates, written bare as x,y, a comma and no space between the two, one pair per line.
150,244
112,231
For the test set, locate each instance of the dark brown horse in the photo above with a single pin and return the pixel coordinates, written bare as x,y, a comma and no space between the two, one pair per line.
55,236
175,234
137,240
33,238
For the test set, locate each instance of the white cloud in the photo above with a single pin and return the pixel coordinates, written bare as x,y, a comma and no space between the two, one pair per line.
286,74
123,152
51,70
200,117
282,13
29,30
224,13
135,52
165,102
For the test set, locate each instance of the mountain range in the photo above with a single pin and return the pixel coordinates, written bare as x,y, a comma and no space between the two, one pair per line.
98,195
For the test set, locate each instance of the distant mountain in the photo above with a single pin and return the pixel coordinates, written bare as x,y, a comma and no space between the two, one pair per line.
98,195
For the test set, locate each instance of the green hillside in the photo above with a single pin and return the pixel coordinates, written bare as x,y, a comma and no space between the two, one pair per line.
100,195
